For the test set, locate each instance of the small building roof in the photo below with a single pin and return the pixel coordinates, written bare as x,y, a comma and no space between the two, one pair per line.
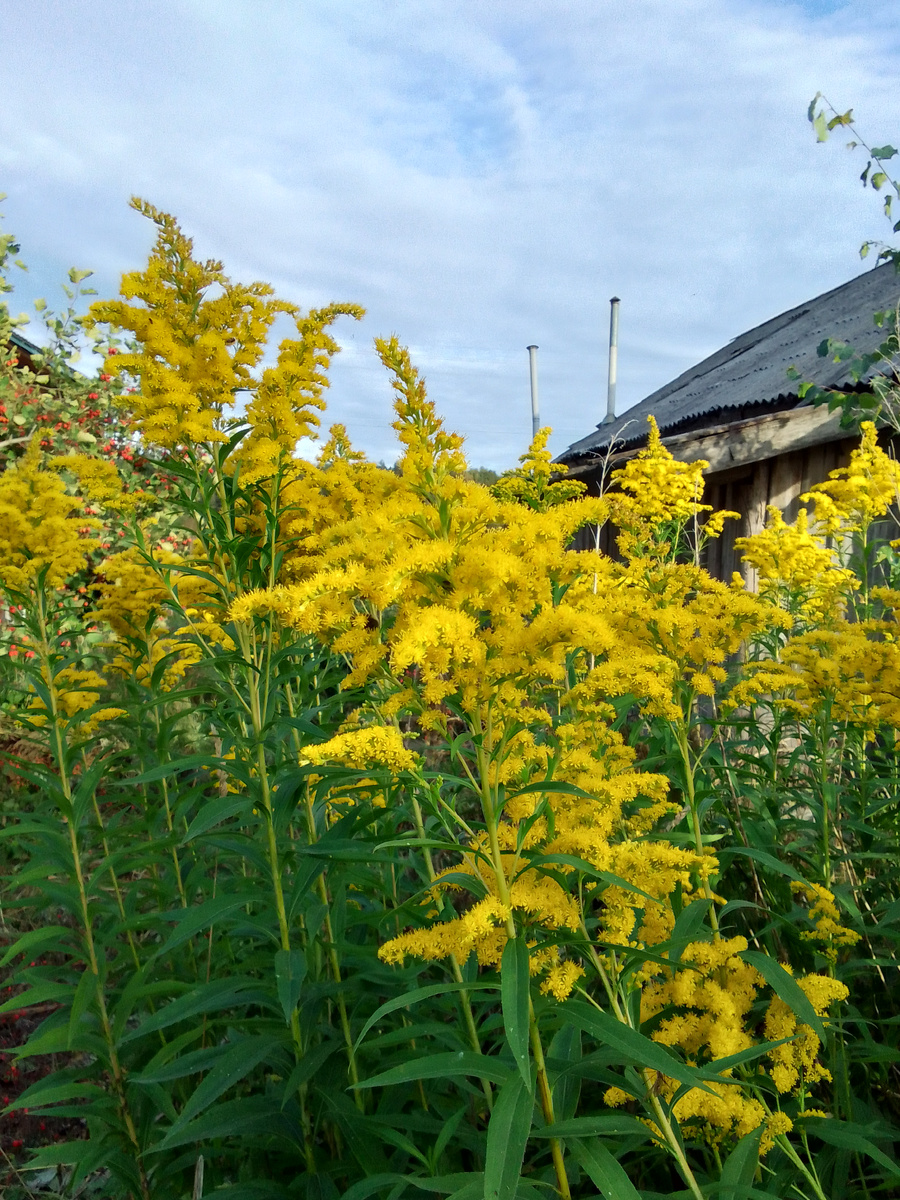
749,376
24,344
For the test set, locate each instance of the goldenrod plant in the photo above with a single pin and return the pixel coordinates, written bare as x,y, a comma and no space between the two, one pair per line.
382,844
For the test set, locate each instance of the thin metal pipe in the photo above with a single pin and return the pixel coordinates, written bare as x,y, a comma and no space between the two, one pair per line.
613,360
535,414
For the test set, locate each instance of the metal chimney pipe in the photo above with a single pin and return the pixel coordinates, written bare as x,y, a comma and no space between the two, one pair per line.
535,415
613,360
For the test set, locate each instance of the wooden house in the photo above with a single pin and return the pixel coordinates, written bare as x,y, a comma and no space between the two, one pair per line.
740,410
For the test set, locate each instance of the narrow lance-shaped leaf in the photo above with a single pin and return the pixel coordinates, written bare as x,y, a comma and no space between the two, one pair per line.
740,1166
506,1140
290,971
233,1066
632,1045
413,997
514,998
786,988
604,1171
441,1066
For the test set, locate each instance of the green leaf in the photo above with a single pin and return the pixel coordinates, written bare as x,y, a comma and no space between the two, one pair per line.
248,1115
601,1125
461,1184
448,1131
234,1065
413,997
883,152
878,180
365,1188
290,971
633,1046
400,1141
81,1001
767,860
62,1154
740,1166
214,813
605,1173
41,993
197,918
820,126
786,988
507,1138
185,1064
848,1136
689,922
190,762
35,937
607,877
551,786
720,1065
441,1066
47,1091
515,995
565,1048
207,997
360,1132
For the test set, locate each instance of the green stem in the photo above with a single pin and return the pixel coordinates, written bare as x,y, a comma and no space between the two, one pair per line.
455,966
116,1070
489,811
810,1175
649,1076
690,793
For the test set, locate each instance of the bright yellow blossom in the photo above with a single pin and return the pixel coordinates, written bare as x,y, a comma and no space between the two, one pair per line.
796,1064
852,497
824,913
42,528
373,746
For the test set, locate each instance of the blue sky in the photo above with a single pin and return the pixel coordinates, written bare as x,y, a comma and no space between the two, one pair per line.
479,175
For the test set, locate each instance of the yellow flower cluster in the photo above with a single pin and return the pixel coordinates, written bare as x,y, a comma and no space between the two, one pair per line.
446,597
140,598
283,408
76,691
42,528
795,1065
200,336
662,489
538,483
707,1004
856,495
709,998
824,913
99,479
372,746
851,671
796,569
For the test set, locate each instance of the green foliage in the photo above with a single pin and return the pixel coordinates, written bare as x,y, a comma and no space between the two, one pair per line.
875,395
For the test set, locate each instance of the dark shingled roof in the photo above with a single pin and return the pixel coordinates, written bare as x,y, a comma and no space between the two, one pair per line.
749,376
23,343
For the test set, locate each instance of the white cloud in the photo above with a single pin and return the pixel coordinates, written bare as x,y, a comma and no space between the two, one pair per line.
479,176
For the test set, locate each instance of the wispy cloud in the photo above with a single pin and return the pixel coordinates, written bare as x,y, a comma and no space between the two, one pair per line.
480,177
